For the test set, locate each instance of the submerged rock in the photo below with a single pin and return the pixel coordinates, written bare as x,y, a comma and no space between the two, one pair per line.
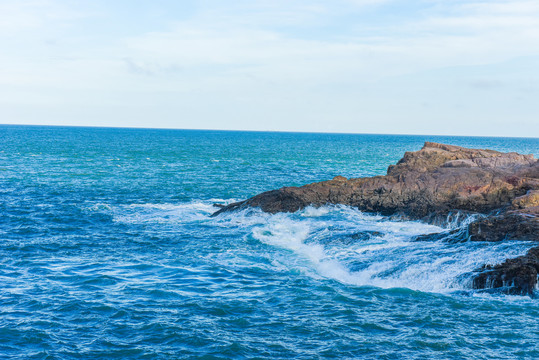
431,183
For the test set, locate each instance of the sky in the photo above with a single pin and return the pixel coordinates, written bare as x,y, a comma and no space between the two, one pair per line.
447,67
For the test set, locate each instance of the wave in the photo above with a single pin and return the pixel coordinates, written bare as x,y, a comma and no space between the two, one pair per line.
355,248
342,243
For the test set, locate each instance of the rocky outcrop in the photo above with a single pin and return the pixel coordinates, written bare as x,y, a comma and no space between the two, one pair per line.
431,183
437,179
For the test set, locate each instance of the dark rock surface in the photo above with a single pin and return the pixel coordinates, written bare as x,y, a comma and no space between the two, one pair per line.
508,225
514,276
431,183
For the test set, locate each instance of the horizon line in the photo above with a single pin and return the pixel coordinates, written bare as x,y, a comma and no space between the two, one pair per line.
266,131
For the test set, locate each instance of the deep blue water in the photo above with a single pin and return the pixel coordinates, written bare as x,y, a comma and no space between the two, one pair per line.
107,251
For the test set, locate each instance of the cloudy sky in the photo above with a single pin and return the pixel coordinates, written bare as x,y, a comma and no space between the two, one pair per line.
362,66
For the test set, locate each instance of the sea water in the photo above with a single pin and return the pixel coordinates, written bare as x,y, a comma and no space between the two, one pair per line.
108,251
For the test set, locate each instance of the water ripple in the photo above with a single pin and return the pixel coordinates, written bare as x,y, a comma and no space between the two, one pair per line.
107,250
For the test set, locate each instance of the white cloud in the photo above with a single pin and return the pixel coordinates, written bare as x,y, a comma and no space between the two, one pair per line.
34,15
477,34
270,59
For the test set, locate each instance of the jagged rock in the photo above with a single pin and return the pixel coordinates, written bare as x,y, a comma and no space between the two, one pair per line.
514,276
431,183
431,180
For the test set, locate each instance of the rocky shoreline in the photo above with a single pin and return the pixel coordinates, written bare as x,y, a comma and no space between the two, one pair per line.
432,183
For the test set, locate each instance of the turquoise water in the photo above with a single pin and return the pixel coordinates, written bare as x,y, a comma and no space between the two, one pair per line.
107,251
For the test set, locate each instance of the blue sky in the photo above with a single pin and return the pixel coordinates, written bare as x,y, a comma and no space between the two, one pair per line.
360,66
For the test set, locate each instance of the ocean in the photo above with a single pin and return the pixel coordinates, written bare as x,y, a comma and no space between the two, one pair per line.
108,251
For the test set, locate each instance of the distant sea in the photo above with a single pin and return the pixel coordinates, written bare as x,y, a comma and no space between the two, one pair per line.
108,251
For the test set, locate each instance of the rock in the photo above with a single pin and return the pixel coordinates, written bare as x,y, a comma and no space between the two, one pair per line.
514,276
366,235
438,179
506,226
530,200
459,163
431,184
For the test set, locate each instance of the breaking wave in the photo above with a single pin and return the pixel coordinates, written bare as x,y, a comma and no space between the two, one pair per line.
354,248
344,244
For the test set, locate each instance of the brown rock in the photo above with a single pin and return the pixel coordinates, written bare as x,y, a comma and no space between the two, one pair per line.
436,179
531,199
433,182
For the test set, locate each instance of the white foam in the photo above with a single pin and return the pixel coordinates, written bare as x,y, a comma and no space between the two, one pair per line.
387,257
159,213
311,211
288,234
458,219
339,243
100,207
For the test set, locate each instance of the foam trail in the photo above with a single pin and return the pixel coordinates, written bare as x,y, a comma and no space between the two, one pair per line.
195,211
288,234
343,243
359,249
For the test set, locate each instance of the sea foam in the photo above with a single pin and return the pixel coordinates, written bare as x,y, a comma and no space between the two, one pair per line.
376,251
